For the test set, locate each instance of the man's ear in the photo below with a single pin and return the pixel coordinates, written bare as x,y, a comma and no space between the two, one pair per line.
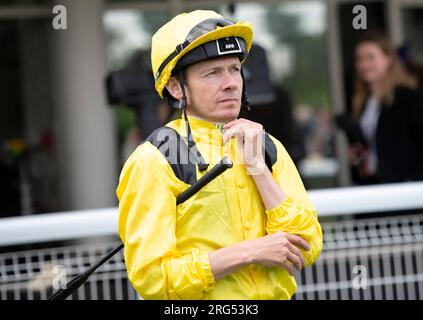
174,88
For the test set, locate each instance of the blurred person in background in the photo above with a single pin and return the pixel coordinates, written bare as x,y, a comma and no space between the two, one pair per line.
385,126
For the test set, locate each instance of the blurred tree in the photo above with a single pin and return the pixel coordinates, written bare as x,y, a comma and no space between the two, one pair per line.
308,83
152,22
285,26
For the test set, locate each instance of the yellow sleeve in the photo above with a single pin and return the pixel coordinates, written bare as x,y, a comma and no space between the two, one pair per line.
147,215
296,214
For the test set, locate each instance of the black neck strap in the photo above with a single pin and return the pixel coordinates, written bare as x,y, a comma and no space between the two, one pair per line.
192,147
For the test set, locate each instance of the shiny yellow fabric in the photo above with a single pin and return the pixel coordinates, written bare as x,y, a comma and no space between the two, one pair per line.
166,247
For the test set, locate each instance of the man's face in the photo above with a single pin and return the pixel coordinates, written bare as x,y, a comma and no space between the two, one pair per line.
214,89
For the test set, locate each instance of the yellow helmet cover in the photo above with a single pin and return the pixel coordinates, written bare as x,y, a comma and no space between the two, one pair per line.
186,32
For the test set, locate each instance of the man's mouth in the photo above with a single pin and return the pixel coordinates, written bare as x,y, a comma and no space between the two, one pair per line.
229,100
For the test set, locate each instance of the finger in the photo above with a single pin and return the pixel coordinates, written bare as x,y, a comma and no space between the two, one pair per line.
295,260
298,241
297,252
227,135
231,123
260,141
248,122
232,132
255,135
288,267
241,121
239,156
249,147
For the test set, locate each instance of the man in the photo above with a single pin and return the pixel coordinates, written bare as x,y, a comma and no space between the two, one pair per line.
245,233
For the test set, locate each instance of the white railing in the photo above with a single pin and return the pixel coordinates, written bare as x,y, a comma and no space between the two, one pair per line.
368,199
103,222
58,226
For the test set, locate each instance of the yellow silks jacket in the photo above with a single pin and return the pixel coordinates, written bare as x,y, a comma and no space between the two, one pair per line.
166,246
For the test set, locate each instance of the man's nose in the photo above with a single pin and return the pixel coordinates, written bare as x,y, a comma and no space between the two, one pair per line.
229,81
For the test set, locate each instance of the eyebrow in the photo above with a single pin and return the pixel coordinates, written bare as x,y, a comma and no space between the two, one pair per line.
218,68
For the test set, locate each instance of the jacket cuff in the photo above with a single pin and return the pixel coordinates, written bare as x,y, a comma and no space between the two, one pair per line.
204,267
283,209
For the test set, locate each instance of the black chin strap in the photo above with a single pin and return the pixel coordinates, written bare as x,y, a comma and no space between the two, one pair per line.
245,103
192,147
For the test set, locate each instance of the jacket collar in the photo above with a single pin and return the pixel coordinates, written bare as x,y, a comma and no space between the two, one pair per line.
203,131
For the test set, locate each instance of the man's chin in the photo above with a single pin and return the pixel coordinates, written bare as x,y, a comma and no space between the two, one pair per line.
229,114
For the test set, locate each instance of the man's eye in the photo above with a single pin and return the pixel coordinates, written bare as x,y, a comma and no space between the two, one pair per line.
211,73
236,69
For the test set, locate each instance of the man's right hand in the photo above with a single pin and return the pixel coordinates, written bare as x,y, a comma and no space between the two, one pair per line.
278,249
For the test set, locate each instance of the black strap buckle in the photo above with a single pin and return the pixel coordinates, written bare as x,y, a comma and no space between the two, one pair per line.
181,46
